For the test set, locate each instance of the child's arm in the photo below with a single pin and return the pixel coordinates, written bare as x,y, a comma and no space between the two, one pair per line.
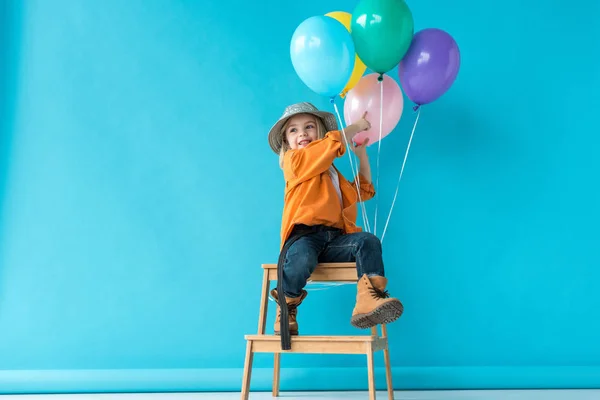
357,127
303,164
367,191
363,158
317,157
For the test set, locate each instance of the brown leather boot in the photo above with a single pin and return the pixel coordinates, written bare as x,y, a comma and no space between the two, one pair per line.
293,304
373,303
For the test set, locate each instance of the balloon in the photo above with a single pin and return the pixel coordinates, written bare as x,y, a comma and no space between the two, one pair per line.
430,66
365,96
382,31
322,54
359,67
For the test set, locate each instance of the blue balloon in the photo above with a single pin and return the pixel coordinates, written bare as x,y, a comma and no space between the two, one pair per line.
323,55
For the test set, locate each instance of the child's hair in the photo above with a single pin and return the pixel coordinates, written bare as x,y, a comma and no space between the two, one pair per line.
321,131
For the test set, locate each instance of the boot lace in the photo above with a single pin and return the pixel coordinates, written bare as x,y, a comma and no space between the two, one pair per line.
292,310
378,294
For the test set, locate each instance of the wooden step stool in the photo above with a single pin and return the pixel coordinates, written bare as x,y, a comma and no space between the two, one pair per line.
365,344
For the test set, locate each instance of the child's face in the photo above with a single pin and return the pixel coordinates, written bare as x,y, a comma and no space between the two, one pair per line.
301,131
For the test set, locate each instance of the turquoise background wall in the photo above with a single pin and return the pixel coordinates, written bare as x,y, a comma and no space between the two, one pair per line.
139,197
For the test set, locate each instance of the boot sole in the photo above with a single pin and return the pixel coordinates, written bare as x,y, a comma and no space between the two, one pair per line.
384,314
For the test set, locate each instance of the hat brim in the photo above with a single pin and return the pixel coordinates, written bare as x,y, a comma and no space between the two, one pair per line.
276,139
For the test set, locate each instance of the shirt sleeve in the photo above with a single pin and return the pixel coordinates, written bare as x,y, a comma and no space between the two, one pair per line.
367,190
303,164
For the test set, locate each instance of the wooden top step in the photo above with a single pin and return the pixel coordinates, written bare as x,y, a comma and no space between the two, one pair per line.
308,338
318,344
321,265
324,272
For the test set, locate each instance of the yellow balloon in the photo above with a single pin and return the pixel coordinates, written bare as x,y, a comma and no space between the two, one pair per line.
345,19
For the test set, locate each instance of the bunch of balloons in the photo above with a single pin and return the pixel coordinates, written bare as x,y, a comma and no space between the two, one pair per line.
331,53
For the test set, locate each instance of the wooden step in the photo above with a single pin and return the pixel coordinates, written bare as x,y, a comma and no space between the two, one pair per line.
324,272
318,344
320,265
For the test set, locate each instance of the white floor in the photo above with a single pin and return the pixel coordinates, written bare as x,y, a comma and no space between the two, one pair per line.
400,395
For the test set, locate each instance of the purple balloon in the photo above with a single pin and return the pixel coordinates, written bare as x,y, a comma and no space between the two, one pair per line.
430,66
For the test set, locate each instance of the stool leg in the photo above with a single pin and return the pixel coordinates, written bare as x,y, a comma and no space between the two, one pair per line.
247,371
388,367
276,371
388,374
371,368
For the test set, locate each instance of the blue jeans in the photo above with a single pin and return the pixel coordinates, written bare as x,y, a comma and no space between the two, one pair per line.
326,247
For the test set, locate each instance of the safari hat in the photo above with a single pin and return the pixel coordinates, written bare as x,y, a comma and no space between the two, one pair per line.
275,137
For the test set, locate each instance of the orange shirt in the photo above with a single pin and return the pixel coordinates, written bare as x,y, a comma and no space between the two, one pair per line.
310,196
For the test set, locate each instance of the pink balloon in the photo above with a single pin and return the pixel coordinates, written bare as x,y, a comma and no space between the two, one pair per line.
365,96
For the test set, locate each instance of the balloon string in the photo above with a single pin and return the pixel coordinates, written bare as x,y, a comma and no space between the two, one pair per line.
401,172
356,177
363,209
354,172
378,152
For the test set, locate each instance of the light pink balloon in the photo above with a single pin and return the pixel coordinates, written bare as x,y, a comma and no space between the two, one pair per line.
365,96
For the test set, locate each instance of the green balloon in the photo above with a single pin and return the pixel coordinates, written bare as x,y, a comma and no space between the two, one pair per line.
382,31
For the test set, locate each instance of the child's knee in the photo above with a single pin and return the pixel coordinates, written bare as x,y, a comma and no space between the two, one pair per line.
369,242
296,272
300,266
